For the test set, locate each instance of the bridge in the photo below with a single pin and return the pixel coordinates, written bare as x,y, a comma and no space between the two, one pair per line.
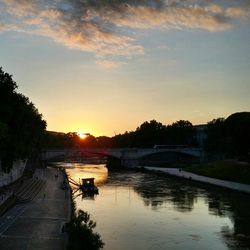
128,157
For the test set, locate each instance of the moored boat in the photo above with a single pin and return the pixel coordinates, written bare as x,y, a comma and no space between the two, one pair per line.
88,186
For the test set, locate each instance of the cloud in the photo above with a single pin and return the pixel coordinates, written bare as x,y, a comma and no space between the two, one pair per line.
191,17
2,26
238,12
6,27
102,26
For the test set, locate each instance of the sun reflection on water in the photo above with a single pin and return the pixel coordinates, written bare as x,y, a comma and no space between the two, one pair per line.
78,171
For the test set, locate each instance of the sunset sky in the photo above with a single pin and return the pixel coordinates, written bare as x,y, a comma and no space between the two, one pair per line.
104,67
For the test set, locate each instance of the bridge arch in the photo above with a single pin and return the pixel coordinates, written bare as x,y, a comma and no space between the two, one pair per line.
167,157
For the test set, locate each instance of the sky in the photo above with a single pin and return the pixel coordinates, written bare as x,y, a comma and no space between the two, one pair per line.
105,67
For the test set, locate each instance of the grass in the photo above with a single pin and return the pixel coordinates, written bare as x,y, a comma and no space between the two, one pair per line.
225,170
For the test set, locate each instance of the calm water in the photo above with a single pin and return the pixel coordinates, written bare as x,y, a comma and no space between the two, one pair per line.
143,211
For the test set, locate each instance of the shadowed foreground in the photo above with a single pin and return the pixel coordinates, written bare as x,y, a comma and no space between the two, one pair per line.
37,224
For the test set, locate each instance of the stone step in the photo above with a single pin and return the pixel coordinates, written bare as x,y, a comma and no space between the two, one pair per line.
7,204
32,192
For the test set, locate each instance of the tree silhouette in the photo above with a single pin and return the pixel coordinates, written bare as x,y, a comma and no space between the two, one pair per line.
21,125
237,128
230,137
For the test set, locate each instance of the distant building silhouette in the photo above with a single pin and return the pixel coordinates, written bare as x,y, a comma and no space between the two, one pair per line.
201,134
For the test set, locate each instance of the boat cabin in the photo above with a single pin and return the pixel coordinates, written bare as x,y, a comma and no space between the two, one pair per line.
88,182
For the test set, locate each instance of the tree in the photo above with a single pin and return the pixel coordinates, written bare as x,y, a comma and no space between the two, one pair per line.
60,140
181,132
81,234
152,133
149,134
230,137
21,125
216,136
237,128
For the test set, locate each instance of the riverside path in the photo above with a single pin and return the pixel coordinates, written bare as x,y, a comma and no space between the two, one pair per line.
38,223
209,180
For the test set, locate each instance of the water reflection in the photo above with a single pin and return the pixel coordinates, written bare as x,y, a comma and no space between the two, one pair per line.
159,212
77,171
235,206
161,188
222,203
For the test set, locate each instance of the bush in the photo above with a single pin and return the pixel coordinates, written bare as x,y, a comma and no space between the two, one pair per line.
81,235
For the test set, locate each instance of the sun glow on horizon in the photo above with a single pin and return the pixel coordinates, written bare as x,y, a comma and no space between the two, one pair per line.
82,135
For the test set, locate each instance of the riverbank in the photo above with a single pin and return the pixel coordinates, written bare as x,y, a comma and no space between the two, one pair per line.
191,176
80,228
229,170
38,224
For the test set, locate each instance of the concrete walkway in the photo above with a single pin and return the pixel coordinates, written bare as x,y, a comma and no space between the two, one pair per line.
187,175
37,224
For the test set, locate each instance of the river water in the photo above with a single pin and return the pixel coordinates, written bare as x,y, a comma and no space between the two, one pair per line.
149,211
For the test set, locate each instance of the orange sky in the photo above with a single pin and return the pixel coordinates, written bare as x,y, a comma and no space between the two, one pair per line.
104,69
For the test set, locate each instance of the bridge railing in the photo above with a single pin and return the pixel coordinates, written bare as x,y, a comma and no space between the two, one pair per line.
121,149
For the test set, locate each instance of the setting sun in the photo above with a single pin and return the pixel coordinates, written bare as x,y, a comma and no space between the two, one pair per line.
82,135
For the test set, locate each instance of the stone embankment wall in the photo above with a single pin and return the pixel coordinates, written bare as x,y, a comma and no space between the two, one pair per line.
15,173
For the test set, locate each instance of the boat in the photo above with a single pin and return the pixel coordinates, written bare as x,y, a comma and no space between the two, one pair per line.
86,186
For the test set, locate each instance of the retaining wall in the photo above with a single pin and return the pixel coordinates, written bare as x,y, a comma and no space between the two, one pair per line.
15,173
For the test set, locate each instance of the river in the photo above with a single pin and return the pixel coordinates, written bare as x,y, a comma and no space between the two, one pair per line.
149,211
